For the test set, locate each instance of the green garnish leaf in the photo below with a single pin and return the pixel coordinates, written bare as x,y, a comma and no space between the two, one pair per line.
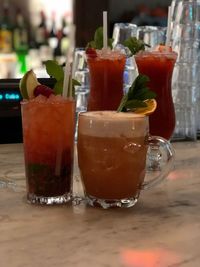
135,103
75,83
110,42
71,88
98,38
54,69
58,87
135,45
91,44
137,93
97,43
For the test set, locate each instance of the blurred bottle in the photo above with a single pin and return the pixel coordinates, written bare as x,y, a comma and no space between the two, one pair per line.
58,55
20,41
53,40
33,58
57,51
143,16
65,36
41,32
5,30
20,33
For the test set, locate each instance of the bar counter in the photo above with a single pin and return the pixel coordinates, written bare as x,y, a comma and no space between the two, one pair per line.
162,230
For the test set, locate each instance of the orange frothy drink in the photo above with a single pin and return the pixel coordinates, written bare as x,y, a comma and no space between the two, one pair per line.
48,135
112,156
106,70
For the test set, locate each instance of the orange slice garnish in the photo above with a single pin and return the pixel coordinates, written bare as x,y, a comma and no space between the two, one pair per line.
149,109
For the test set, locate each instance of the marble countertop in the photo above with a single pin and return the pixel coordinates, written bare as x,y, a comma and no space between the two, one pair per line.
162,230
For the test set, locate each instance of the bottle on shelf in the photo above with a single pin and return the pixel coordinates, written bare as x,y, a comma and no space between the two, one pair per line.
20,33
20,41
53,40
33,58
41,33
58,55
5,30
65,36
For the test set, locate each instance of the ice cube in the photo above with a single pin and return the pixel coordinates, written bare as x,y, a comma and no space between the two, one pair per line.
39,99
107,53
123,50
55,99
59,98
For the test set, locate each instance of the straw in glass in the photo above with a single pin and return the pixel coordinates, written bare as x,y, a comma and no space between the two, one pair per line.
168,36
67,91
105,30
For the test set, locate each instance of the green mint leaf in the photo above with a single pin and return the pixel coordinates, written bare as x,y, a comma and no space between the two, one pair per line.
97,43
135,45
139,83
98,38
135,103
72,87
58,87
138,92
122,104
54,70
142,80
110,43
144,93
91,44
148,95
75,83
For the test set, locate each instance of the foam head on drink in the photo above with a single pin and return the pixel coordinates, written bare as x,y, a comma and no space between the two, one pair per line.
112,153
48,135
106,68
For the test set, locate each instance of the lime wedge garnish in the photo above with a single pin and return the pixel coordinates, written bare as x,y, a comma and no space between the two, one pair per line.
28,84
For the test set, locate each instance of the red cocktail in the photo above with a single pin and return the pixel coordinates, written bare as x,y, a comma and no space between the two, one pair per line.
48,135
158,66
106,69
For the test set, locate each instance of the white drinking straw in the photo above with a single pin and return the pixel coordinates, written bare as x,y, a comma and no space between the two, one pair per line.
169,19
105,29
69,55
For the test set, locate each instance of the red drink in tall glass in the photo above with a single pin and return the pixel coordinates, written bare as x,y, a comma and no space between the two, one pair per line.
48,135
106,79
158,66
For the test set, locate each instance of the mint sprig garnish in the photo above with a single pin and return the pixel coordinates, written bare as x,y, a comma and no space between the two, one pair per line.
56,71
135,45
137,93
97,43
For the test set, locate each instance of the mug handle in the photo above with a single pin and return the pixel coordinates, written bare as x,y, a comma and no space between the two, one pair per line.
157,143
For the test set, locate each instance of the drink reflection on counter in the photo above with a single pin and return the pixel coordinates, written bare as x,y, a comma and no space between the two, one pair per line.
149,258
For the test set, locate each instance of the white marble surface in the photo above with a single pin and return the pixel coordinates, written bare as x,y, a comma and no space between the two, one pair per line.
162,230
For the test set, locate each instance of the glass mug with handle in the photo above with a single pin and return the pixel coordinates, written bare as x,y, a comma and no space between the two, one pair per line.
112,152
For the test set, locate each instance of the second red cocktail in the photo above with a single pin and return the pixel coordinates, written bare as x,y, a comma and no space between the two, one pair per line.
106,79
158,66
